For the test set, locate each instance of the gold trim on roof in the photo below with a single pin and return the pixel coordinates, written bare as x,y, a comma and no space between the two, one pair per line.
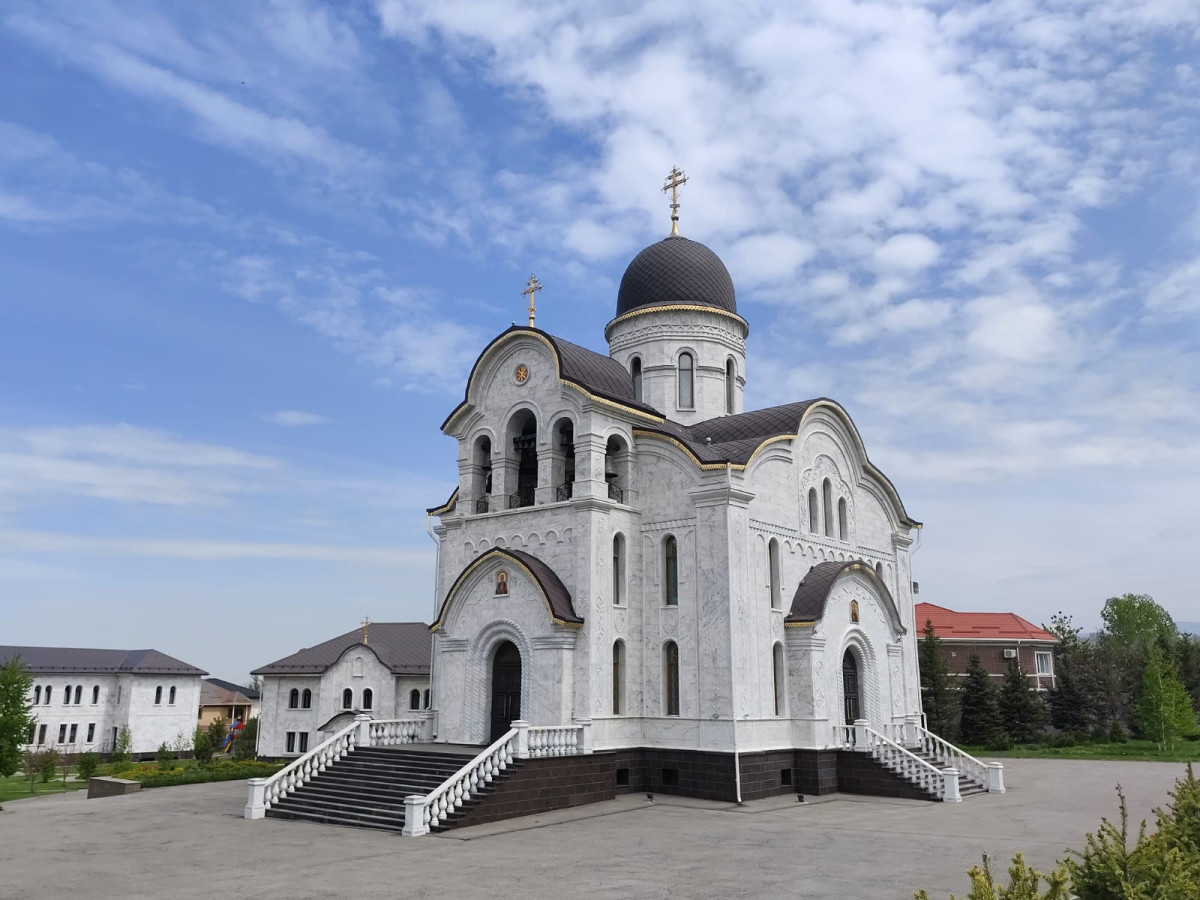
712,466
445,507
672,307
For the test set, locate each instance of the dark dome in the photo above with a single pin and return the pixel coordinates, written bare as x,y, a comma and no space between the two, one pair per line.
676,270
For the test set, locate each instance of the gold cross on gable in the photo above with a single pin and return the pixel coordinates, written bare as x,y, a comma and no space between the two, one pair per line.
366,623
530,291
677,179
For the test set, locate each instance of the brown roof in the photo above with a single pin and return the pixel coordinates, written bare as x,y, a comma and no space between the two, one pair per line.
215,692
46,660
404,647
555,593
808,603
968,626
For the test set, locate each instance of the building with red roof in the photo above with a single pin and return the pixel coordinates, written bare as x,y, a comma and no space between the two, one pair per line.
995,637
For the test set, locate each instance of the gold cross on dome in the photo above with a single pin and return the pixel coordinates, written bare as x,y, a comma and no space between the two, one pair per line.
366,624
677,179
530,291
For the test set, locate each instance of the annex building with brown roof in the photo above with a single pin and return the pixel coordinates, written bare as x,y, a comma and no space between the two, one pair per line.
996,638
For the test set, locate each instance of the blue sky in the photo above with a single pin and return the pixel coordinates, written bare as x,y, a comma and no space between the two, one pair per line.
248,252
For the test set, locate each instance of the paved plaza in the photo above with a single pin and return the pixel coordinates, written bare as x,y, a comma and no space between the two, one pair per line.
191,842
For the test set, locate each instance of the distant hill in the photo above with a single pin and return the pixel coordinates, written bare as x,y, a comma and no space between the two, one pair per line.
1188,627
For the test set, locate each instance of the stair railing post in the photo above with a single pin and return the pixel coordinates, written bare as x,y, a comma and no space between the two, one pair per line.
912,730
584,746
950,792
431,725
363,737
256,807
522,738
860,735
995,781
414,816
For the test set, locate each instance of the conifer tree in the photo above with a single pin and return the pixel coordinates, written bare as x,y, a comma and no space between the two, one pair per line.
1022,712
15,717
979,722
1164,711
1073,701
937,695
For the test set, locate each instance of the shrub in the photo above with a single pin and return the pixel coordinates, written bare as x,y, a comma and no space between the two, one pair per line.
218,728
246,746
47,764
1024,883
87,765
1116,734
164,756
202,747
123,748
221,770
999,743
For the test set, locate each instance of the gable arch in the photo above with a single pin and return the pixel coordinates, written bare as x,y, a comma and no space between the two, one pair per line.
544,579
812,594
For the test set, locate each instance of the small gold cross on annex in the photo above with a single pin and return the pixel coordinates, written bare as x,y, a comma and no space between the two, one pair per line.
675,180
530,291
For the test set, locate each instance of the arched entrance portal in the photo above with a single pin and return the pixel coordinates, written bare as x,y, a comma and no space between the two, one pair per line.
506,689
850,688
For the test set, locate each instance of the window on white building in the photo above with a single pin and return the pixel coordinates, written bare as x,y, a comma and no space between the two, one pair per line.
171,697
827,504
95,694
814,513
427,698
91,732
67,695
347,698
687,382
774,574
78,694
48,690
618,676
1045,662
618,570
414,699
37,694
671,678
306,699
294,698
777,674
303,741
291,742
74,734
158,696
843,531
368,698
730,385
62,734
42,734
670,571
635,368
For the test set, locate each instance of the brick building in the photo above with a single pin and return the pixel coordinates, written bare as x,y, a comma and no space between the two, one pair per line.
996,638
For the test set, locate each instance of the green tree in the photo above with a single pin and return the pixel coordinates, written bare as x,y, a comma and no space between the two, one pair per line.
15,713
1164,710
246,746
1135,620
202,748
123,748
1024,883
1021,711
979,722
937,694
87,765
47,763
165,756
1073,702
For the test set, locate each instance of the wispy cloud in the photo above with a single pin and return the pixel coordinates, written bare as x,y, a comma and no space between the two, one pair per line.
294,418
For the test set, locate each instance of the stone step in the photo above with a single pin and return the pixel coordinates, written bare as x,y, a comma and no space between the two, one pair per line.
350,821
328,806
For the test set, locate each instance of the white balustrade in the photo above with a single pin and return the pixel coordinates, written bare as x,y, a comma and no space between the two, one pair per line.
947,755
398,731
843,737
422,814
555,740
938,782
265,792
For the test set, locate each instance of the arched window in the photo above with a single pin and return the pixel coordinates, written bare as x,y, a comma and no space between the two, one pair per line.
635,369
78,694
483,473
95,694
67,695
777,672
414,699
671,678
368,698
773,562
37,696
158,695
730,383
171,696
827,497
563,459
687,381
347,699
879,569
618,570
843,531
814,514
48,690
618,676
294,698
616,468
358,667
670,571
426,704
306,699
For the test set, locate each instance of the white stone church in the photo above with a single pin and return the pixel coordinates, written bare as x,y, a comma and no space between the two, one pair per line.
718,592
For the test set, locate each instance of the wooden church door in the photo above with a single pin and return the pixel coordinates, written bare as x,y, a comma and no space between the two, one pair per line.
850,688
506,689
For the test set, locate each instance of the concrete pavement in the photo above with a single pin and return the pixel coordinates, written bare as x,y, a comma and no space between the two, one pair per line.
191,842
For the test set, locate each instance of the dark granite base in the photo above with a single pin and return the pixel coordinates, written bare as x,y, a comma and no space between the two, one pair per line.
540,785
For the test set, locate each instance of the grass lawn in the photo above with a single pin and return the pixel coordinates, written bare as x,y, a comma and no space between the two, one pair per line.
16,787
1183,751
